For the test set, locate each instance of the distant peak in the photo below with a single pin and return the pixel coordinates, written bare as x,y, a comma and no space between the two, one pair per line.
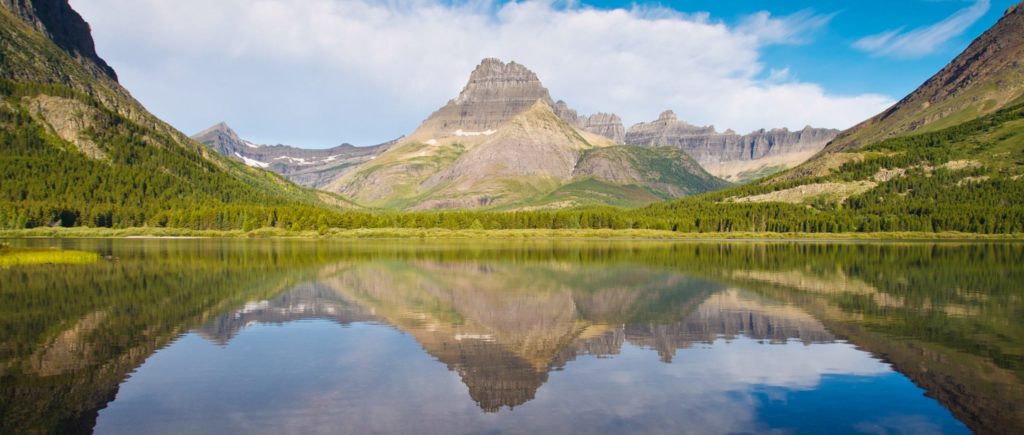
221,128
667,115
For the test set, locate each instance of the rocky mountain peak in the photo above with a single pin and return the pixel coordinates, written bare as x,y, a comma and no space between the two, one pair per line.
220,127
495,93
494,80
65,27
221,138
498,91
667,115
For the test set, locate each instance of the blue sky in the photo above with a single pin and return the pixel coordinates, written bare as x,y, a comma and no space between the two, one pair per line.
316,73
830,58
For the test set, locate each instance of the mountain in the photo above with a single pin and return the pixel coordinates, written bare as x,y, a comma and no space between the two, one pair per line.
949,156
79,150
504,144
608,125
987,76
730,155
308,167
62,25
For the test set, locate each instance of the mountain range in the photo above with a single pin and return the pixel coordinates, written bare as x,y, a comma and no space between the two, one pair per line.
505,143
79,150
308,167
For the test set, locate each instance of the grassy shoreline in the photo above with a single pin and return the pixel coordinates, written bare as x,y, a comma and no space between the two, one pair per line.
10,257
412,233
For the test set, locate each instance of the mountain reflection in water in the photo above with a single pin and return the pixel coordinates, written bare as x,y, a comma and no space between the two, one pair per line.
503,341
554,337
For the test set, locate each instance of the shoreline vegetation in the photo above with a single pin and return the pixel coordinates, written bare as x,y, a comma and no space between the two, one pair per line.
33,256
523,234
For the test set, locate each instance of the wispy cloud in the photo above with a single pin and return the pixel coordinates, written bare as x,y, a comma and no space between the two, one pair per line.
789,29
923,41
318,72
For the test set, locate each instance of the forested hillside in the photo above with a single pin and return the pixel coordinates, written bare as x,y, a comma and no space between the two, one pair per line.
78,150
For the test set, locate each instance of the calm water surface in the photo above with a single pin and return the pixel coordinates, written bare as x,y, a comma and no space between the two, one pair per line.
213,336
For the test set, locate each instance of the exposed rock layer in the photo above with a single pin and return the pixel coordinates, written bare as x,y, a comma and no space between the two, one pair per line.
503,143
729,154
496,92
608,125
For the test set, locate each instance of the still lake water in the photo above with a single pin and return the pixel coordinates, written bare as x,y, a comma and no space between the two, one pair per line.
235,336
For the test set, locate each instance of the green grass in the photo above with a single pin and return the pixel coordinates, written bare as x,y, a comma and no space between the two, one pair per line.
764,171
11,257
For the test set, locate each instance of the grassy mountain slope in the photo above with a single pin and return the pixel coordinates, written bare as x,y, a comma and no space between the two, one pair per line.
629,176
535,160
986,77
79,150
668,171
968,177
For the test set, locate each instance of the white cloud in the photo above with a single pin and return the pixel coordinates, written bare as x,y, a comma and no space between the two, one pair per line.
925,40
316,72
791,29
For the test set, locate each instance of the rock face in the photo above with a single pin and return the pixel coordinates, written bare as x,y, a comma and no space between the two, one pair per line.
65,27
608,125
730,155
496,92
309,167
504,143
986,77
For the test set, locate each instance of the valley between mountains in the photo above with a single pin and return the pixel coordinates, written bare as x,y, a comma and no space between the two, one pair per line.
79,151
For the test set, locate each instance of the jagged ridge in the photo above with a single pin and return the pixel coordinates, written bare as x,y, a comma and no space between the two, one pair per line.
314,168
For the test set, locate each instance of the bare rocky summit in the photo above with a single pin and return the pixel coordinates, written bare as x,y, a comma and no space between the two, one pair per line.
309,167
730,155
503,143
496,92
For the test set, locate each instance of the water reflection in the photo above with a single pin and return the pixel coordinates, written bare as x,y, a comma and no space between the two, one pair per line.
559,337
502,328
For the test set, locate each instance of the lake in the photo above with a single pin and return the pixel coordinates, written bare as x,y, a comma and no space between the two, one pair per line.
277,336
